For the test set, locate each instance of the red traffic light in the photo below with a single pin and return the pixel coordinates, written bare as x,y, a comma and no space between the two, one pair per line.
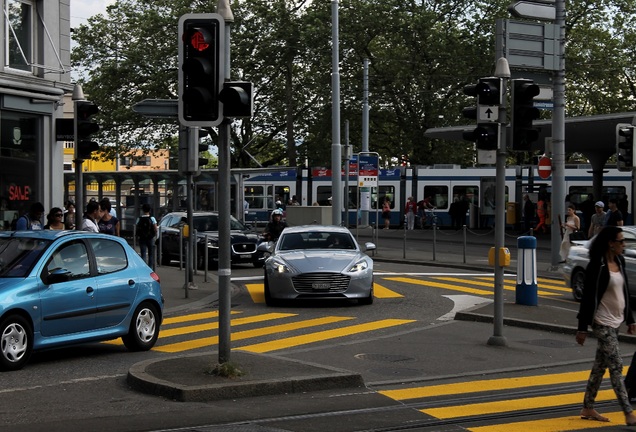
200,39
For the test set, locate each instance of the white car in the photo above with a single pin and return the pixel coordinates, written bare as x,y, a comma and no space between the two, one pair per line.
574,267
318,262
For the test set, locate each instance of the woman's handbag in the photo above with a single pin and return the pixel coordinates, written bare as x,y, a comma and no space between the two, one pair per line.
578,235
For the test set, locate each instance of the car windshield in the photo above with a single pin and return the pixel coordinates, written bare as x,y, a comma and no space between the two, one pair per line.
211,223
316,240
18,254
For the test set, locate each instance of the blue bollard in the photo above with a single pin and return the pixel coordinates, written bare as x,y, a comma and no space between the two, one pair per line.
526,291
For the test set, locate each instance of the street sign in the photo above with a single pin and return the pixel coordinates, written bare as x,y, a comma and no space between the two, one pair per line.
545,167
533,10
487,113
528,45
157,108
368,170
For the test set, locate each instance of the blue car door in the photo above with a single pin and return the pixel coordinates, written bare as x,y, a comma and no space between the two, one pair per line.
117,282
69,306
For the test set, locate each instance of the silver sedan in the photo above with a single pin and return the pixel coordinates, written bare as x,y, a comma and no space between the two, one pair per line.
574,267
318,262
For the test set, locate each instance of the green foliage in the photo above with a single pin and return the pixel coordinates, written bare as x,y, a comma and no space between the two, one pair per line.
421,53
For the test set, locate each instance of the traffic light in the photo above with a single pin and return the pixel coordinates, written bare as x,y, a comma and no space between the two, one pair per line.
625,146
201,69
236,97
489,94
85,126
523,113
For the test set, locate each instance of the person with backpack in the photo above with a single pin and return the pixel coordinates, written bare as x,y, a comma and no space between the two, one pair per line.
146,231
32,221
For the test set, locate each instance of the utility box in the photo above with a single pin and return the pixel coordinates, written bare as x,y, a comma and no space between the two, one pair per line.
503,257
308,215
511,213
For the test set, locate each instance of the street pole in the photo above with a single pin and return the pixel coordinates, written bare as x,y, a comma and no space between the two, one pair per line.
78,95
225,272
364,200
558,139
502,71
336,162
347,157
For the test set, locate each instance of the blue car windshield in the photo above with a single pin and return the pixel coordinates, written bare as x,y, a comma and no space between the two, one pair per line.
18,255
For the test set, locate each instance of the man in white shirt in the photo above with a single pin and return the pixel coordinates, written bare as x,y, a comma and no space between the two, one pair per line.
91,217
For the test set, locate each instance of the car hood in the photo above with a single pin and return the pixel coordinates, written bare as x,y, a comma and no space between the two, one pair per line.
318,261
235,236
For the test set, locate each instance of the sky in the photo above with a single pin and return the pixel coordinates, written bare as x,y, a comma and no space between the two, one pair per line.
82,9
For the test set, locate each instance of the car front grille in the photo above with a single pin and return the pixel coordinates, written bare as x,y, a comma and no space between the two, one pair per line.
321,282
244,248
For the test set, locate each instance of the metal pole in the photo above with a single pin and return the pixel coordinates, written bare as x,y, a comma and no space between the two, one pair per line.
336,163
225,270
558,139
464,231
503,72
365,191
346,188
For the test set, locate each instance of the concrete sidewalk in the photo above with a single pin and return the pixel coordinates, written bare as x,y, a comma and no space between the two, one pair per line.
187,377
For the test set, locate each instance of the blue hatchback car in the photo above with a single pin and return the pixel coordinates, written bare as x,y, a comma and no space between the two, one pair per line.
59,288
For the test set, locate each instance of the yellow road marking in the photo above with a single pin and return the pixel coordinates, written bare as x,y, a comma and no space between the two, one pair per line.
257,292
561,424
540,284
434,284
236,336
486,284
380,291
520,404
321,336
486,385
193,317
215,325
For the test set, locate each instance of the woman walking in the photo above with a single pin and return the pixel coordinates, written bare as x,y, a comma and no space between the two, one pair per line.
605,306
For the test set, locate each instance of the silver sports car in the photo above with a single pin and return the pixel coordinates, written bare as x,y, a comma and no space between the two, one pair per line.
318,262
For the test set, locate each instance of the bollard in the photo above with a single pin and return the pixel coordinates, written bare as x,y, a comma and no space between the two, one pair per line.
526,290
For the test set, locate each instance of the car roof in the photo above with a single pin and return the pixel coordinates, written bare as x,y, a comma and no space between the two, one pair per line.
55,234
313,228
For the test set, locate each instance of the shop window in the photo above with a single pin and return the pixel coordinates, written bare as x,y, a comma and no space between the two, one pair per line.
19,31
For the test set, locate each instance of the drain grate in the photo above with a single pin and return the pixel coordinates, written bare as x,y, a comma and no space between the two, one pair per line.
389,358
551,343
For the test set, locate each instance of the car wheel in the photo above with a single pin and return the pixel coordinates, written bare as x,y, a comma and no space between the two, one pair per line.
367,300
16,342
144,328
269,301
578,282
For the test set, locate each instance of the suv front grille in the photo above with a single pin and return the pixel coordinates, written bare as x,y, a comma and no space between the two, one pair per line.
244,248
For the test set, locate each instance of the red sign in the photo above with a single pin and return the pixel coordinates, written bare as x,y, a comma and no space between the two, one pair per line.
198,41
545,167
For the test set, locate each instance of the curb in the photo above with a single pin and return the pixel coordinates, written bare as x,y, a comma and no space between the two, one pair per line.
152,377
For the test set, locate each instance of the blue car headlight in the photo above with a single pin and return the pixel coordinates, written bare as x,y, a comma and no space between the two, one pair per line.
359,266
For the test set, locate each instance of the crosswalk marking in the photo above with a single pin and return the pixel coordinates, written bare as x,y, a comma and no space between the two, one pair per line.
236,336
322,336
506,287
561,424
256,292
380,291
434,284
215,325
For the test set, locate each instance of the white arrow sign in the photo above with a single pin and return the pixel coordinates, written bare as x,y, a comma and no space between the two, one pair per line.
533,10
488,113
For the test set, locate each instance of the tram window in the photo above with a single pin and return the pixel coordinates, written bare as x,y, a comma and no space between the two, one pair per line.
281,193
254,196
353,197
438,194
323,193
469,193
385,192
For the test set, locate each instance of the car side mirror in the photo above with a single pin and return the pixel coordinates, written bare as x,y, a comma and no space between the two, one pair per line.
58,275
368,246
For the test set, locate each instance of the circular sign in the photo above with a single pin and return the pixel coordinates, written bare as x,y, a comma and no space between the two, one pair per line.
545,167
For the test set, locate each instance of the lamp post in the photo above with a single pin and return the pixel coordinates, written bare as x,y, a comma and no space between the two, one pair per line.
336,162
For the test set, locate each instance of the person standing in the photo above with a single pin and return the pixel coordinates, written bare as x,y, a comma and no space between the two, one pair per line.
605,306
613,217
32,220
146,231
69,215
597,221
386,212
409,210
528,213
55,219
541,212
91,217
108,224
571,224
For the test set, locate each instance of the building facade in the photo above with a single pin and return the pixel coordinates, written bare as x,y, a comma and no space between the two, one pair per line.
34,77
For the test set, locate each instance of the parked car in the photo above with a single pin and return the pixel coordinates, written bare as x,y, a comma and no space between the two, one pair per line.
576,262
242,238
59,288
317,262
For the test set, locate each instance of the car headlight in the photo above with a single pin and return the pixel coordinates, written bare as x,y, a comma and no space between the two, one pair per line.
280,267
359,266
213,243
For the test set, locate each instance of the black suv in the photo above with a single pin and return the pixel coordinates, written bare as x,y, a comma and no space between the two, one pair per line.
243,240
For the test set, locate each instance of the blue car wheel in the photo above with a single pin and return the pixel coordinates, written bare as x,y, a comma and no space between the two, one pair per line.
16,342
144,328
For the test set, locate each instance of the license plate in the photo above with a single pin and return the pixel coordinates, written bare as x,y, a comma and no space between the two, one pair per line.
246,256
321,285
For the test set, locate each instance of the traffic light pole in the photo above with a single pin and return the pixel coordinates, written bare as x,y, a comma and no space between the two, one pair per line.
79,176
224,272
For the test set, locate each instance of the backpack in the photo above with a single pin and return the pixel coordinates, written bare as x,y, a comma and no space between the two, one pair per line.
14,223
145,230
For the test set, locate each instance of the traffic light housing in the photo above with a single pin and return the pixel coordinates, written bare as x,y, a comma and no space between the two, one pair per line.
625,146
489,94
201,70
85,126
237,99
523,114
